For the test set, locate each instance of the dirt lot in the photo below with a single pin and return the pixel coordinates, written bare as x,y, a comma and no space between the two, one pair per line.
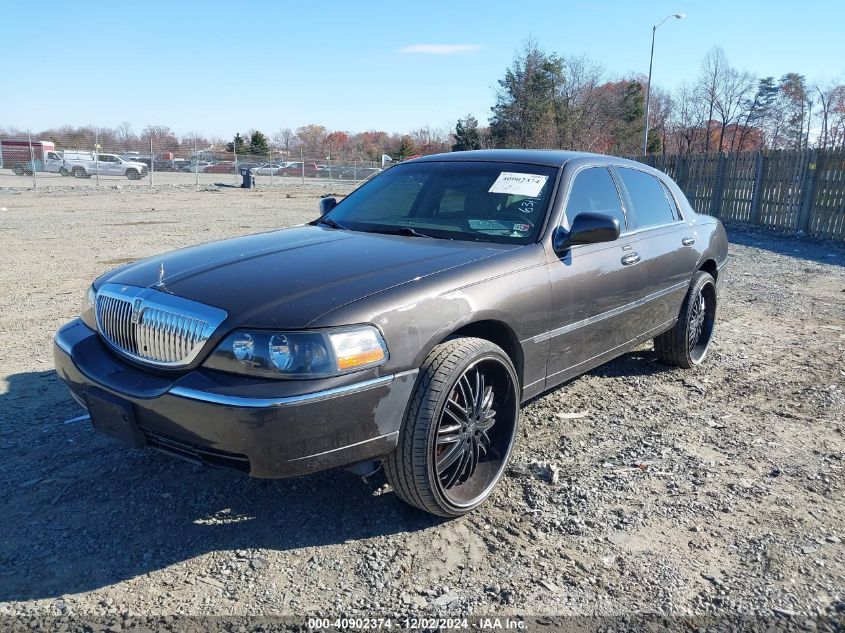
714,492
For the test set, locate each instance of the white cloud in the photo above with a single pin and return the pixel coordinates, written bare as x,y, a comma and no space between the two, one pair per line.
440,49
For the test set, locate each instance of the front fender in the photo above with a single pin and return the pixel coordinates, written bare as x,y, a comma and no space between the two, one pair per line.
514,291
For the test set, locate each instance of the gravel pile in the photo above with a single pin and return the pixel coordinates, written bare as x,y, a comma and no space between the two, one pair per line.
635,489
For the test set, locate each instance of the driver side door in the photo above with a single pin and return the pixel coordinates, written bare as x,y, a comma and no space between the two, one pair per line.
595,287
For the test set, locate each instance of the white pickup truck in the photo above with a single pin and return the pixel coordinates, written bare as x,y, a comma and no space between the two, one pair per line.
105,165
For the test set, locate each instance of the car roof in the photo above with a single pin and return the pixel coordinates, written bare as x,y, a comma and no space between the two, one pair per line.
546,157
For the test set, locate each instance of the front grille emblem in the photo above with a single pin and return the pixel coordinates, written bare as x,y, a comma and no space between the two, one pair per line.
136,311
154,327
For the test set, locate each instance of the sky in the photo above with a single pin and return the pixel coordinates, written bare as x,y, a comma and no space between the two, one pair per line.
220,67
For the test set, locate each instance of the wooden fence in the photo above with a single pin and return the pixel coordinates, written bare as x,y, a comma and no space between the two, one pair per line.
797,191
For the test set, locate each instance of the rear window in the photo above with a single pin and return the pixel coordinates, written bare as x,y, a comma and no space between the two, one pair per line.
648,197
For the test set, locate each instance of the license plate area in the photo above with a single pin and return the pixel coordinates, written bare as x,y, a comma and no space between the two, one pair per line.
114,416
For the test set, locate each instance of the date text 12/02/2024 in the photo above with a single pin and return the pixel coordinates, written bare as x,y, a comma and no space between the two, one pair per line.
416,623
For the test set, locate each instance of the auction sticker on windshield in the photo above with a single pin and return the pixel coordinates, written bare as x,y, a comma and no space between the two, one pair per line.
519,184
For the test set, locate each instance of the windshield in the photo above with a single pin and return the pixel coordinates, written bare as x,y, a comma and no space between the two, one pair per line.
478,201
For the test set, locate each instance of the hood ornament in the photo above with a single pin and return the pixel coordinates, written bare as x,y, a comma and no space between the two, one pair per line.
161,274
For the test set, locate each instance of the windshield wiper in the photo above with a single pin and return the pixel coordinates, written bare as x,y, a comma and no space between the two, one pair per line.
403,230
331,223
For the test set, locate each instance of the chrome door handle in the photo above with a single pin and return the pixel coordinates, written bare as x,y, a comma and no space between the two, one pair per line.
688,241
628,260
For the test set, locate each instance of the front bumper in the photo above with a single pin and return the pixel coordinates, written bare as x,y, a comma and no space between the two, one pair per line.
264,427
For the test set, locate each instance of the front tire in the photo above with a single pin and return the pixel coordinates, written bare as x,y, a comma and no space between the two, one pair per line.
64,172
459,430
686,344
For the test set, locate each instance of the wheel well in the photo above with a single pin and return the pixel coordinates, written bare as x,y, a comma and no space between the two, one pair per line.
498,333
710,267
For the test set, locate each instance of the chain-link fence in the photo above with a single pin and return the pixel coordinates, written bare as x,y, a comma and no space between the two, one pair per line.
80,159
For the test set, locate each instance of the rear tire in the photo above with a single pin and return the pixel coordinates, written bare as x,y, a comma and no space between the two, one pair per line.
64,172
19,170
459,429
79,172
686,344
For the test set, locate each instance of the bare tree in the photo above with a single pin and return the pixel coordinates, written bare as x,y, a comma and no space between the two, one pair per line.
712,72
687,119
126,136
285,139
732,96
832,109
163,138
660,114
311,138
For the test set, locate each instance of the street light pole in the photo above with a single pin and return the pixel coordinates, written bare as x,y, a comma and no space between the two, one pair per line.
677,16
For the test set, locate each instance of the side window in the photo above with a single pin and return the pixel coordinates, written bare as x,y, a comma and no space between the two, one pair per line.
651,207
673,204
594,190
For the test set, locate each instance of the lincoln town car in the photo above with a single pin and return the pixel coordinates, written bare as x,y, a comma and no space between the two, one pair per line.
405,326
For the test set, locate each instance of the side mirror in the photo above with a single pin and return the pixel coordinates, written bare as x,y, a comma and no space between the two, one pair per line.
587,228
327,204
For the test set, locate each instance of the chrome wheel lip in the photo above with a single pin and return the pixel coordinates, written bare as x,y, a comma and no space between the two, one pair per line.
505,457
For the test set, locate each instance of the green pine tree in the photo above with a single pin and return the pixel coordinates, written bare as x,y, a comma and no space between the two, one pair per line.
466,134
238,146
259,145
406,147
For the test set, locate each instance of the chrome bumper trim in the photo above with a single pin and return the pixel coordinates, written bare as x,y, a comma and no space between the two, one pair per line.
262,403
63,344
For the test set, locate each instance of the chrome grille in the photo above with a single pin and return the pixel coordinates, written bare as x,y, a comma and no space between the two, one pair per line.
154,327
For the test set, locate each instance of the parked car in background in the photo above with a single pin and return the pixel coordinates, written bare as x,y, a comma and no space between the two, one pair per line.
199,166
166,165
137,158
411,322
295,169
267,169
223,167
105,165
363,173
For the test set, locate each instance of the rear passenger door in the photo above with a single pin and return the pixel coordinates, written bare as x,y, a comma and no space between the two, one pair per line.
666,244
106,167
595,287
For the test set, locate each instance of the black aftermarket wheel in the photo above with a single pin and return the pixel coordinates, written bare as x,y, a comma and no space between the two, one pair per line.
686,344
460,428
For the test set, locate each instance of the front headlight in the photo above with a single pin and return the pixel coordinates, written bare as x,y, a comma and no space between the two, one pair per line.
311,354
88,312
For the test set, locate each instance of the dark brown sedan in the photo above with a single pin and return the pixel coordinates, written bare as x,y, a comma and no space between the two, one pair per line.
406,326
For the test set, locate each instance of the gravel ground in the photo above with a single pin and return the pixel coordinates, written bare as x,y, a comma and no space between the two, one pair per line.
634,489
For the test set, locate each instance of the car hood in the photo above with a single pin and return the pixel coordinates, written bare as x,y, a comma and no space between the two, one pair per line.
289,278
